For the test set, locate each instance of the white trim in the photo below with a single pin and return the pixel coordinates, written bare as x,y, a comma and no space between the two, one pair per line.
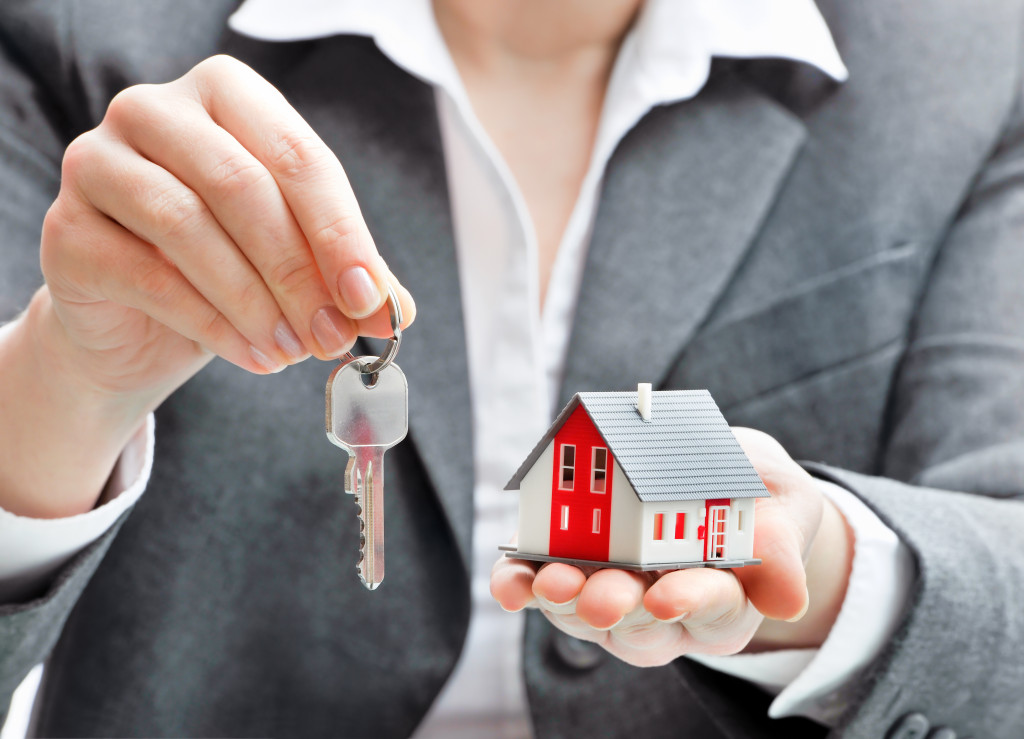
718,518
562,466
593,469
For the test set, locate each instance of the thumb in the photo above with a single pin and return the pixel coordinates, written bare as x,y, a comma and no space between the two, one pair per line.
778,586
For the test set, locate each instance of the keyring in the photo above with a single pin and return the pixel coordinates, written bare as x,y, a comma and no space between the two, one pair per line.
391,350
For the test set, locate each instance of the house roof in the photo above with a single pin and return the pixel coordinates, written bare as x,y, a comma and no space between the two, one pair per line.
685,452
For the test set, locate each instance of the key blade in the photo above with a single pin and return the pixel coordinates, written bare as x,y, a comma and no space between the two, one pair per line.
369,499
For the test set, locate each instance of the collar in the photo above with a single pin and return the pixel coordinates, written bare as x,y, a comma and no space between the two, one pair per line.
671,44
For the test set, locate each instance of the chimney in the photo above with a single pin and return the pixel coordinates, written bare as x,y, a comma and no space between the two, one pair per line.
643,400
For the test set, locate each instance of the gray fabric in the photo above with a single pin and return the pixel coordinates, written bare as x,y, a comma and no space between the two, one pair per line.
839,265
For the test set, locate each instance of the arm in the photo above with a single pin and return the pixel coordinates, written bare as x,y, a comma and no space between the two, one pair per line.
955,424
130,310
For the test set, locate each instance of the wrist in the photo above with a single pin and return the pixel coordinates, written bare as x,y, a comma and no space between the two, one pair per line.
61,434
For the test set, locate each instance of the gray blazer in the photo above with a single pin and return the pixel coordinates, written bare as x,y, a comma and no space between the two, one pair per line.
840,265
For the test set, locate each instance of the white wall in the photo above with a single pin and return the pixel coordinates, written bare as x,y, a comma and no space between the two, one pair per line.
670,549
740,544
535,504
627,514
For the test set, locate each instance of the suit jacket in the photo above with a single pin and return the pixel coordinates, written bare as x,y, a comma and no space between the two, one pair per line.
840,265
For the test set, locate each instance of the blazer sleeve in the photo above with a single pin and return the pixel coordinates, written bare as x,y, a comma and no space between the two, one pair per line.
952,484
35,93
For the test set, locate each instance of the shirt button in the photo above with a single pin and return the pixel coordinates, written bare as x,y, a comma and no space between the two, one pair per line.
576,653
911,726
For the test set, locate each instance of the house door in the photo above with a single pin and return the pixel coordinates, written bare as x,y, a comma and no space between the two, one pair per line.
718,524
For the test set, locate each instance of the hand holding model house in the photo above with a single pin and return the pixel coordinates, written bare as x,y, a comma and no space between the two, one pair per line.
637,502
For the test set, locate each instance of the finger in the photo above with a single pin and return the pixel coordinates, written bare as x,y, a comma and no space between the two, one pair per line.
558,585
512,583
159,209
697,596
778,586
98,259
379,324
309,175
174,131
710,606
608,596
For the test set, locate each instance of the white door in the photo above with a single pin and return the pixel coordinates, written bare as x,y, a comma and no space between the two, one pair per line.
718,522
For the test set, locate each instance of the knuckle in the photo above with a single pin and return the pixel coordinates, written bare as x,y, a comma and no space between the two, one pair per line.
155,279
68,250
129,105
215,329
239,174
176,213
52,242
249,297
294,153
294,273
216,66
80,157
344,234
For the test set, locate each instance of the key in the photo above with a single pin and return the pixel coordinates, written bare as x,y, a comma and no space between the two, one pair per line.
366,420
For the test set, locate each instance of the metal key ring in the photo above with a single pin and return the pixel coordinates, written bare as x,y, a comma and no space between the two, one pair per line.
391,350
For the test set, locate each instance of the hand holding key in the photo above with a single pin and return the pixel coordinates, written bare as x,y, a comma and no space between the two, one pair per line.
202,217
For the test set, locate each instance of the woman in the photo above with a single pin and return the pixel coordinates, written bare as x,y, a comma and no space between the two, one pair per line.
556,178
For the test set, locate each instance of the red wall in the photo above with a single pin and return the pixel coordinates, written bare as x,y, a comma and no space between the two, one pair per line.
579,541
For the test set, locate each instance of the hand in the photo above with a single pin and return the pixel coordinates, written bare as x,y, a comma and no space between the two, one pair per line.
647,619
202,217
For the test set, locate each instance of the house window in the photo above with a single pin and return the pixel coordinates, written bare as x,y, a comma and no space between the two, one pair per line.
659,526
597,521
565,518
568,467
599,470
739,521
680,525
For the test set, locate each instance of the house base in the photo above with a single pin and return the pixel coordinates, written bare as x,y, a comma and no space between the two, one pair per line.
718,564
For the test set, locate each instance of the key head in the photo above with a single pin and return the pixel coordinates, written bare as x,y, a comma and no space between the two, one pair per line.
367,416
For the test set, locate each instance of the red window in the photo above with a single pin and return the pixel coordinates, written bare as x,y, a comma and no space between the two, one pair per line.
599,470
680,525
596,529
568,465
659,526
565,518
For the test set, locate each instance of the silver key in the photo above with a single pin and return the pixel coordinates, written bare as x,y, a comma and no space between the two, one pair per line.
367,420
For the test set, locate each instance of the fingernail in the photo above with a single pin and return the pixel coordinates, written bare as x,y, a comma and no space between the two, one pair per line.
532,603
675,619
288,342
562,609
359,292
610,627
264,361
330,330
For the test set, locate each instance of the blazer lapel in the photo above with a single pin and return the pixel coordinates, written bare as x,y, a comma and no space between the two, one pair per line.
382,124
684,195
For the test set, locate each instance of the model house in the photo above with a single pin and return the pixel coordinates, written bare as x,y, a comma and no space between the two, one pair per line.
644,480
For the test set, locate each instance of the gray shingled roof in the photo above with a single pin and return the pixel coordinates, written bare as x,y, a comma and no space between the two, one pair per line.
685,452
